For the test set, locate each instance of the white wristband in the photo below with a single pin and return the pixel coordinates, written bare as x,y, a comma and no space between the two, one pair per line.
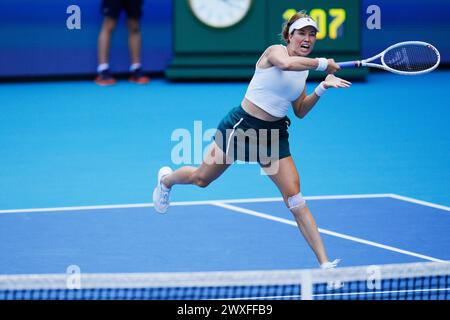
323,64
320,89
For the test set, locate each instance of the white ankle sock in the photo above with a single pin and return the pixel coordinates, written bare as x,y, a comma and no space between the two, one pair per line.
103,66
135,66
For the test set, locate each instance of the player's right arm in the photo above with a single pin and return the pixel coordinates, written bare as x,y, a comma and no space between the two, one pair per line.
278,56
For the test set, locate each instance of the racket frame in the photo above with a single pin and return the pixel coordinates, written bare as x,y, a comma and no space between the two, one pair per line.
383,66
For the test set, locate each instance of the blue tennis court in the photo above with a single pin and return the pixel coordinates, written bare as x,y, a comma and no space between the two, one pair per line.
248,234
97,98
375,173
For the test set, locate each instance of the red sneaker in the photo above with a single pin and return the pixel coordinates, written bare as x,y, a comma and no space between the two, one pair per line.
137,76
105,78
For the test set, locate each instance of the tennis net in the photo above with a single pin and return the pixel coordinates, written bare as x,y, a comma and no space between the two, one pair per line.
414,281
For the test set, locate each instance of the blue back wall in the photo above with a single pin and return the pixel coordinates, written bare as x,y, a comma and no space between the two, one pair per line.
35,40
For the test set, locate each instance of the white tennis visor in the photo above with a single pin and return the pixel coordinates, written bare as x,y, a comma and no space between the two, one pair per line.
303,22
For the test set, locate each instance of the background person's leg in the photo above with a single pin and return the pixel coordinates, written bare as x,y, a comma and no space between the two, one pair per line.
104,39
104,43
134,40
134,44
133,9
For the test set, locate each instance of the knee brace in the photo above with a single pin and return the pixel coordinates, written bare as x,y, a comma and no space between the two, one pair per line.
296,201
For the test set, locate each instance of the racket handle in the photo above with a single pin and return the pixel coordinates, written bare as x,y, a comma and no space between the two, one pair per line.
349,64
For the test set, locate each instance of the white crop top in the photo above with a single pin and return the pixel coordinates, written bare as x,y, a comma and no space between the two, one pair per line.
273,89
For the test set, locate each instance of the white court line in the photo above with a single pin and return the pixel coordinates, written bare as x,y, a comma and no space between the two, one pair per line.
324,231
62,209
190,203
368,293
416,201
350,196
224,203
210,202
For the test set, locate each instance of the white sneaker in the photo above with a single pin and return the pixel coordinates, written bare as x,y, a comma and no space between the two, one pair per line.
335,284
330,265
161,193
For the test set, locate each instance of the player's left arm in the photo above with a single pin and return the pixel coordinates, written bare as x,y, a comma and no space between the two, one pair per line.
297,105
305,103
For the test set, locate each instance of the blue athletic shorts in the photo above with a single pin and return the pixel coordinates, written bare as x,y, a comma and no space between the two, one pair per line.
113,8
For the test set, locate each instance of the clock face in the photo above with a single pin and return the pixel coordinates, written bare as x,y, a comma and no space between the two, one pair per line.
220,13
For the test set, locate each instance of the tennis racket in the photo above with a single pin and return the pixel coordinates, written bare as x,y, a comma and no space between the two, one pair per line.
406,58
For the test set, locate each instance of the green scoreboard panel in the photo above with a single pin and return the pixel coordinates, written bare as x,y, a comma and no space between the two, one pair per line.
224,38
338,22
192,35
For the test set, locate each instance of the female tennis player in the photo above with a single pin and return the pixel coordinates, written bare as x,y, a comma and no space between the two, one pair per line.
277,84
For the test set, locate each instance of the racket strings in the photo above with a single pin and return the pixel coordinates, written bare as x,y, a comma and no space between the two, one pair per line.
411,58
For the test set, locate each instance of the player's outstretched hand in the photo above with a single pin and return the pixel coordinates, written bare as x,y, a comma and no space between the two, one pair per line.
331,81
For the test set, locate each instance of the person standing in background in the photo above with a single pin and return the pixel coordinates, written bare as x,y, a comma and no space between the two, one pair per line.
111,10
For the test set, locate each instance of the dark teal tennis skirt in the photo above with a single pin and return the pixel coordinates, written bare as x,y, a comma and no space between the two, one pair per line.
246,138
